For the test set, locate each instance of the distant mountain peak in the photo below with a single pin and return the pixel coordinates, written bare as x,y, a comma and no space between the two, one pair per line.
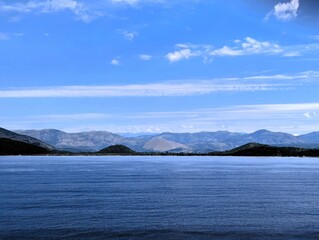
262,131
161,144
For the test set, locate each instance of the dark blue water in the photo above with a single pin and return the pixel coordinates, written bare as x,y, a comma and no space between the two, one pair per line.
159,198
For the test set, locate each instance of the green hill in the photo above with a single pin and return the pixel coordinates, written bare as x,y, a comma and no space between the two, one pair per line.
256,149
117,149
13,147
4,133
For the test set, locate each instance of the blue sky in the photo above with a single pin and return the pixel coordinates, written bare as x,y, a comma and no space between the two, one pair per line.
147,66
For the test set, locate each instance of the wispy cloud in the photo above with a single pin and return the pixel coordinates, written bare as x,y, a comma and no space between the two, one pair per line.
130,2
245,47
146,90
145,57
284,11
311,115
79,9
248,46
312,76
300,50
115,61
128,35
84,10
7,36
139,2
172,88
292,54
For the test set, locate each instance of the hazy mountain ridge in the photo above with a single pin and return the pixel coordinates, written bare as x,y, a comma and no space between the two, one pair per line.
82,141
312,137
266,137
201,142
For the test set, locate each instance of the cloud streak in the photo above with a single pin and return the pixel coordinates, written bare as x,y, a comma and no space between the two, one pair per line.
146,90
169,89
145,57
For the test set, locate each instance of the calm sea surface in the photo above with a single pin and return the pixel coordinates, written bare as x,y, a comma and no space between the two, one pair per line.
159,198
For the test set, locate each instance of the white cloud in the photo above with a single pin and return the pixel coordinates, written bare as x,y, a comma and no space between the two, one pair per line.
251,45
248,46
145,57
129,35
245,47
115,62
226,51
285,11
185,53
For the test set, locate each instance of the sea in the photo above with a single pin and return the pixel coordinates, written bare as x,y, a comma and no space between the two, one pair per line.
113,197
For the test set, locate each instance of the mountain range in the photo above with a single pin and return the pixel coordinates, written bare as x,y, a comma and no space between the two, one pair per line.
201,142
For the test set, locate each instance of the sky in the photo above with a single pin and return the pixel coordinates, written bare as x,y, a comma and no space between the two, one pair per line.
151,66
